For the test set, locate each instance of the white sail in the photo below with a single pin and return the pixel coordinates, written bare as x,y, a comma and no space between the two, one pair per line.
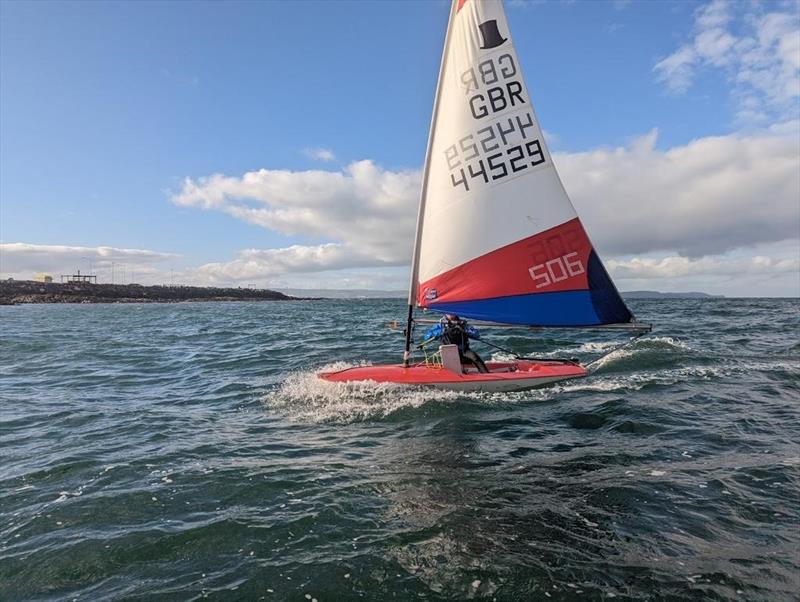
498,237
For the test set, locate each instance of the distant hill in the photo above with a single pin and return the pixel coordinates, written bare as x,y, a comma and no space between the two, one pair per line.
345,293
659,295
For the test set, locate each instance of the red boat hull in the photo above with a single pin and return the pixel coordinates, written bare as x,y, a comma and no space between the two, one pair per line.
502,376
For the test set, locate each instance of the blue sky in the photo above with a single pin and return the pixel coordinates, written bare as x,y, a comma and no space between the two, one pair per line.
106,109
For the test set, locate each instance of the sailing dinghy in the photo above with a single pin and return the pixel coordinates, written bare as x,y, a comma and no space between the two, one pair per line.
497,238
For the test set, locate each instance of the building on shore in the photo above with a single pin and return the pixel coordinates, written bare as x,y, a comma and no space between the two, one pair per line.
79,278
42,277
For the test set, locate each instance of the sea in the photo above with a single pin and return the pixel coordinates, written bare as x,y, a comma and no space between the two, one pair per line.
188,451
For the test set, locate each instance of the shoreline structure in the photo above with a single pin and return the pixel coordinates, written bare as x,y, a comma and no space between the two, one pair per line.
13,292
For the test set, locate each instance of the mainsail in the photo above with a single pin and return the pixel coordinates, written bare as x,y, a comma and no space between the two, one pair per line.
497,236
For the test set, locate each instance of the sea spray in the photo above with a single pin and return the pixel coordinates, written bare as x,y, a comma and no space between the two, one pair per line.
305,397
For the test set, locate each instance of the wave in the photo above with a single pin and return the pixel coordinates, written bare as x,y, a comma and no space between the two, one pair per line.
648,352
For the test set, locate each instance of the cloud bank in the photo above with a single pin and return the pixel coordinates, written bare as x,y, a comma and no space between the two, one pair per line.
23,260
676,267
705,198
721,207
367,214
710,196
656,216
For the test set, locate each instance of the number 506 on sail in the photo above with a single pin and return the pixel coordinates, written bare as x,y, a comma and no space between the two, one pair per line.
557,269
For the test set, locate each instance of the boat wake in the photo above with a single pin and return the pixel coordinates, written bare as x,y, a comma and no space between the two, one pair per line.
657,361
304,397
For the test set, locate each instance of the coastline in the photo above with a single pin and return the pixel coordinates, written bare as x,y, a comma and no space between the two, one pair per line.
17,292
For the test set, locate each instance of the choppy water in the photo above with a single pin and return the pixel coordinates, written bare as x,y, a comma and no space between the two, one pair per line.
171,452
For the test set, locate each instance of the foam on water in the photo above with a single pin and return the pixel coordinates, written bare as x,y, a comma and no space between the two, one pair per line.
590,347
642,350
305,397
664,343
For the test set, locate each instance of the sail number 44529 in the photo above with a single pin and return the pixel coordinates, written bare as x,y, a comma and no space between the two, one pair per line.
498,150
557,269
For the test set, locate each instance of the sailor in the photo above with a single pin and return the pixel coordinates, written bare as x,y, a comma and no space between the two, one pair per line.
452,330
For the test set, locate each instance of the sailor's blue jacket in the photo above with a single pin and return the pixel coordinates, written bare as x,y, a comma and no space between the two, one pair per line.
453,333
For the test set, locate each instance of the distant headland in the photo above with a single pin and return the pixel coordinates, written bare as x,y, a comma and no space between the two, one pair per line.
659,295
13,292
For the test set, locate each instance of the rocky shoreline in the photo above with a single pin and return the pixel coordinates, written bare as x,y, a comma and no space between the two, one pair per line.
13,292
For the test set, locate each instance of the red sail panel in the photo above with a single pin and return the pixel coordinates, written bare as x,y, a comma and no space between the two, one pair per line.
551,261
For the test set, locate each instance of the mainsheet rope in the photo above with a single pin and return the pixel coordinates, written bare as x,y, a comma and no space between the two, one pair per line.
570,360
617,348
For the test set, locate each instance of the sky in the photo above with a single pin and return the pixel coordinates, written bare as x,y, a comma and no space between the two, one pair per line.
280,144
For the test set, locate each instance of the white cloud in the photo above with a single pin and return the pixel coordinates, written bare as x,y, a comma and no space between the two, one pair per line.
319,154
712,15
678,267
384,279
677,69
767,270
23,260
658,216
698,200
759,52
707,197
366,213
552,139
255,264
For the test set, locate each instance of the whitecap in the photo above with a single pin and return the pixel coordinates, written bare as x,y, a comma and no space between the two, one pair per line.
305,397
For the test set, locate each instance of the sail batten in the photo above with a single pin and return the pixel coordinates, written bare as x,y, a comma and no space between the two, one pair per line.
498,238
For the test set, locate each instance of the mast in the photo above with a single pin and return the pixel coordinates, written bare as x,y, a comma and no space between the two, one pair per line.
412,287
